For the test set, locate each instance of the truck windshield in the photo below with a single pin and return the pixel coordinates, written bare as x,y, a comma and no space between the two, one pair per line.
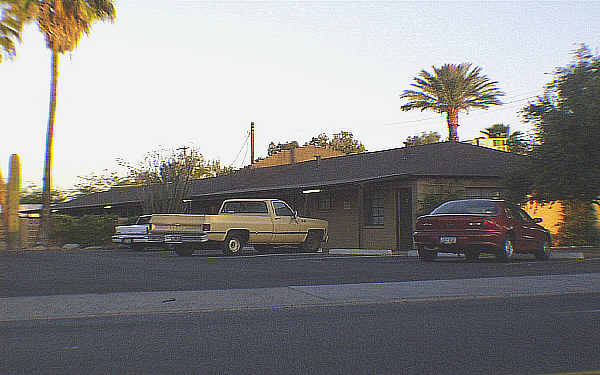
143,220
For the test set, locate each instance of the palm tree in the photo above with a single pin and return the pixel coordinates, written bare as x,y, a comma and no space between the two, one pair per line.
451,89
496,131
10,32
62,22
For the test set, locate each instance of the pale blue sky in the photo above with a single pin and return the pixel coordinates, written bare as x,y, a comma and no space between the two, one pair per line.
172,73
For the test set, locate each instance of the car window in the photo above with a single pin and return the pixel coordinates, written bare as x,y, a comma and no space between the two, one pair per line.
281,209
481,207
525,215
143,220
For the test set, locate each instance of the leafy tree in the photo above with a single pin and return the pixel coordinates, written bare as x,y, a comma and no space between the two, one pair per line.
62,22
275,148
451,89
423,139
345,142
10,32
32,194
94,183
164,177
321,140
578,225
564,163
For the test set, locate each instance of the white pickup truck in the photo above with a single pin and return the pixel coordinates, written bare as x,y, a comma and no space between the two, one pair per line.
262,223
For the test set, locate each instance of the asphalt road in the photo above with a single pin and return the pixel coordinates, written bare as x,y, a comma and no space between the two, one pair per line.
541,335
40,273
347,315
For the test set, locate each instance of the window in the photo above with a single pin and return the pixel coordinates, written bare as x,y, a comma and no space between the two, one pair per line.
281,209
375,207
325,201
478,207
245,207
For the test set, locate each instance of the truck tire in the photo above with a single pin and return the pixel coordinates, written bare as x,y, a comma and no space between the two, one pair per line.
312,243
184,250
233,244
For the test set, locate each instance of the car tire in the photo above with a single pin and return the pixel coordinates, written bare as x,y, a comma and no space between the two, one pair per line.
426,254
543,252
507,251
312,243
184,250
233,244
471,255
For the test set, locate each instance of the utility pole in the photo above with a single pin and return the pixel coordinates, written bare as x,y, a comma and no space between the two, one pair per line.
251,143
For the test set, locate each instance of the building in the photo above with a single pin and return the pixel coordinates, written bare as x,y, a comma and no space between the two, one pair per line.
370,199
297,155
495,143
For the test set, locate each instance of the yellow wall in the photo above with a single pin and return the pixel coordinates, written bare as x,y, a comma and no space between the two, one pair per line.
551,214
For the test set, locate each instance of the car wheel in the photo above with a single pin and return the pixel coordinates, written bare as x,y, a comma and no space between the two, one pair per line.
471,255
507,250
233,244
426,254
312,243
543,252
183,250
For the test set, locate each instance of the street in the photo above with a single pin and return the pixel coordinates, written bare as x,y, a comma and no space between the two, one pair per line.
117,312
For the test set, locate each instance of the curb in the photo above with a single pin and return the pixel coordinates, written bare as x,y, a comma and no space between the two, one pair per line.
360,252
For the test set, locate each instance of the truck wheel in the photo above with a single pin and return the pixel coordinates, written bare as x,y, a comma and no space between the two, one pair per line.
312,242
233,244
183,250
425,254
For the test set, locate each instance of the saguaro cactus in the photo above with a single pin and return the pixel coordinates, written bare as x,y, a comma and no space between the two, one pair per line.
2,204
12,203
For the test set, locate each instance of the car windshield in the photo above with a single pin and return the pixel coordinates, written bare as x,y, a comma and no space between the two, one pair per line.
466,207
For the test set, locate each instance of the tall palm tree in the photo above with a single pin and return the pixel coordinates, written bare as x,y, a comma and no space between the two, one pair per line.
496,131
515,140
10,32
62,22
451,89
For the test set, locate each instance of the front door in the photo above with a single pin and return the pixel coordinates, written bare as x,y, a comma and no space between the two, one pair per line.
405,219
286,226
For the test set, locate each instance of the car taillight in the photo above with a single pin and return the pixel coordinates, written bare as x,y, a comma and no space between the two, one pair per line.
206,227
483,224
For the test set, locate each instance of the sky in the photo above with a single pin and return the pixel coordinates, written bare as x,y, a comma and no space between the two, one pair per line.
178,73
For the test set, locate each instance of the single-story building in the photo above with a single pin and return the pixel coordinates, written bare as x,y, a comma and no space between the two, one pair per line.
370,199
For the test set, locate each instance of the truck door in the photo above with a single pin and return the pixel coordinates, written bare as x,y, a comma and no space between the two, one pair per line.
286,228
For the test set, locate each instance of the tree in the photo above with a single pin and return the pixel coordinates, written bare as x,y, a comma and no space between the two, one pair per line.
321,140
450,90
94,183
164,177
275,148
10,32
345,142
62,22
32,194
423,139
564,164
516,141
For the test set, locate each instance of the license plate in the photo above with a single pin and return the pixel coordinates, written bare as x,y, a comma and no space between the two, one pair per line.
127,240
447,240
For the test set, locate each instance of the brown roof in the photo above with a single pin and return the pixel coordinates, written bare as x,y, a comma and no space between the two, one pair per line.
450,159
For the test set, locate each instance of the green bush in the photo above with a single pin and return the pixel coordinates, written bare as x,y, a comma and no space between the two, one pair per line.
578,226
88,230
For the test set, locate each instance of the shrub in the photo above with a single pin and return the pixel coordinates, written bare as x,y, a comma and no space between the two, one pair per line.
578,226
87,230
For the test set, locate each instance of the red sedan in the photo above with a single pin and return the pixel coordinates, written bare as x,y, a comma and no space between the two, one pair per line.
474,226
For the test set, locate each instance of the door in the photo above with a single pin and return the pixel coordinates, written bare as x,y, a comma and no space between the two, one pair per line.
286,226
404,219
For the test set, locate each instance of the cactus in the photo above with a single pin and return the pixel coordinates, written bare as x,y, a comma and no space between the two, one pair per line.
12,203
2,204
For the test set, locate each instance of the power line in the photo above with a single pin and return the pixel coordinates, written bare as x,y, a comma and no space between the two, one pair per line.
241,148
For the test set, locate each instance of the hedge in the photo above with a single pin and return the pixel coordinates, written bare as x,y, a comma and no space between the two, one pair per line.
87,230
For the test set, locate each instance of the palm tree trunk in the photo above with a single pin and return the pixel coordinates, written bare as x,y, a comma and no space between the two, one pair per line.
45,220
452,121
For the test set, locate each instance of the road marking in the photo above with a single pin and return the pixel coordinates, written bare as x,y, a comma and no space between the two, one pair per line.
590,372
578,312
